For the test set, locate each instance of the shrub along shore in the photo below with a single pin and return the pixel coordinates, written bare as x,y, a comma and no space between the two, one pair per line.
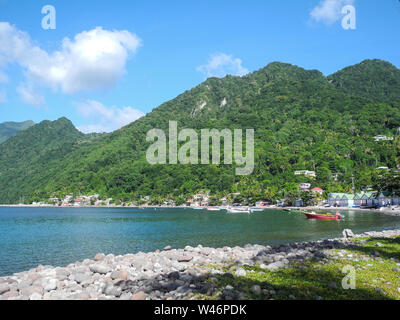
308,270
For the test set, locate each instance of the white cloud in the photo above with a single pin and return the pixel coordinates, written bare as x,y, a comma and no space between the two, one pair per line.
221,64
29,95
329,11
105,119
93,60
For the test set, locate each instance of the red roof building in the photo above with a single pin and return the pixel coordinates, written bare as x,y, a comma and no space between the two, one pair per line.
317,190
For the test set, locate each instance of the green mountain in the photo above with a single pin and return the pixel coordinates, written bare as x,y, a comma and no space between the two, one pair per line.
27,159
375,79
9,129
302,120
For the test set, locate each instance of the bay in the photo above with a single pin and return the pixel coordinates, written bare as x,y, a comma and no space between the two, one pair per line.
59,236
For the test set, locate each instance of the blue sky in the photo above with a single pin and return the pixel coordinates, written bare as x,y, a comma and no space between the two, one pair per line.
144,54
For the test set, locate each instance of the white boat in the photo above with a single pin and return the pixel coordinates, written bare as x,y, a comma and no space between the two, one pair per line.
238,210
213,209
256,209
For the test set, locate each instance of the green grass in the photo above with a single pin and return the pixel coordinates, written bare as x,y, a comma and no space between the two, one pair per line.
375,278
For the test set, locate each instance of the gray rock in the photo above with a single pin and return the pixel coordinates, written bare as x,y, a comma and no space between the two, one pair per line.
171,286
4,288
62,274
240,272
99,257
375,253
81,277
256,289
35,296
100,268
24,284
167,248
174,275
51,285
31,290
347,233
82,296
115,275
139,296
228,275
275,266
11,295
185,258
111,290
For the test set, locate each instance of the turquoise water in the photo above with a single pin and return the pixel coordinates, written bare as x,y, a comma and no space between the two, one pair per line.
59,236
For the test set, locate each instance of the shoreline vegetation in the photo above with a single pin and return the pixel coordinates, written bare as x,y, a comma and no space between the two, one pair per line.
305,271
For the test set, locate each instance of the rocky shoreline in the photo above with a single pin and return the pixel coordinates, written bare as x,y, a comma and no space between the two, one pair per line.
168,274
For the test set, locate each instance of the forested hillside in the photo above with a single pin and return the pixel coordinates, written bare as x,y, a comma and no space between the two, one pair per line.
302,121
10,129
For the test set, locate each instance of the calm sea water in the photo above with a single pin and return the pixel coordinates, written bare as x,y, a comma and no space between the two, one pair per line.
59,236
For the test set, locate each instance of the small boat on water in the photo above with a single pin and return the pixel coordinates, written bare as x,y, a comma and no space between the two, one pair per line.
255,209
213,209
238,210
323,216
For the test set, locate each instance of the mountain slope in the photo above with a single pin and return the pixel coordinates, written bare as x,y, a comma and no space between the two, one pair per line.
302,120
10,129
376,79
27,158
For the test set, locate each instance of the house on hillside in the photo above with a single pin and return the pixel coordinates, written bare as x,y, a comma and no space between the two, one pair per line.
317,191
305,173
305,186
382,138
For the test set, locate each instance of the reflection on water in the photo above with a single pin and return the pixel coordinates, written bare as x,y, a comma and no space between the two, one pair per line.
59,236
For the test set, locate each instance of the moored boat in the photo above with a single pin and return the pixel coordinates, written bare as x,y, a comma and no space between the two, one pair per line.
238,210
255,209
323,216
213,209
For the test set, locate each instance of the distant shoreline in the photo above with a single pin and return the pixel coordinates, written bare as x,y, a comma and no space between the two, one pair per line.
385,210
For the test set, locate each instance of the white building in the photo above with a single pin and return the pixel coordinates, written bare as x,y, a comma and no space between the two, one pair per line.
305,173
382,138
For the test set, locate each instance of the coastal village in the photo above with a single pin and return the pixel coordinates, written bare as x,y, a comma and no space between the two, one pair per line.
317,197
365,199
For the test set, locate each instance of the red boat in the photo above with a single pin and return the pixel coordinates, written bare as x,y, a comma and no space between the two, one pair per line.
325,216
